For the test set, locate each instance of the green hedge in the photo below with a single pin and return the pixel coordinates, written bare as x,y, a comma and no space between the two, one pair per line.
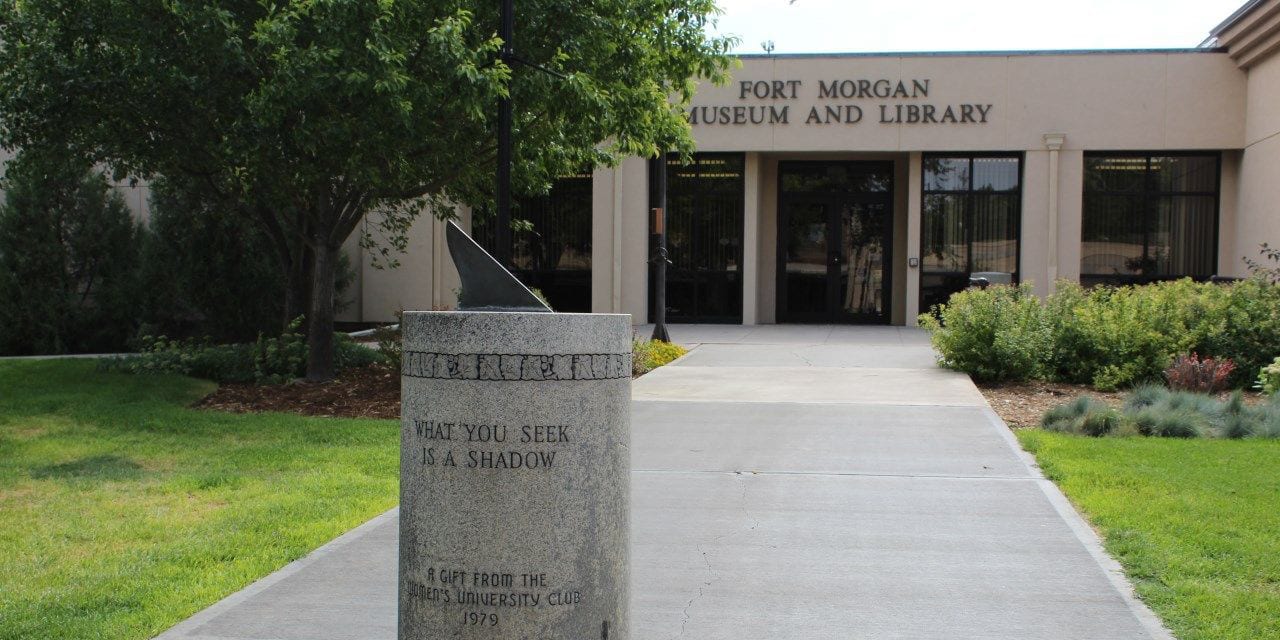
68,261
269,360
1109,337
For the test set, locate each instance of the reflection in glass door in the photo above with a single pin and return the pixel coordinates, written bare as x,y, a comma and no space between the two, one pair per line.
861,258
806,256
835,225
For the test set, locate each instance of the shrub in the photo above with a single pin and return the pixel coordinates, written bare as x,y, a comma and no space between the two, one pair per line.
1154,411
198,358
1237,419
1191,373
1170,423
207,272
1260,268
1144,396
276,360
1071,354
663,353
1128,335
1269,424
69,253
542,297
266,361
349,354
994,334
390,341
649,355
1247,330
1109,337
639,357
1269,378
1083,416
1242,421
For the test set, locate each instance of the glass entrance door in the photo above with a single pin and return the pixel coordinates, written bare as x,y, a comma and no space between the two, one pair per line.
835,230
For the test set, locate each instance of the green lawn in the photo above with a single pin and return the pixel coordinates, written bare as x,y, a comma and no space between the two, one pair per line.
122,512
1196,523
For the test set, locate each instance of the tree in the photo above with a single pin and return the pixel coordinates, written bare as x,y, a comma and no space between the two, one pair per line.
206,273
309,116
69,254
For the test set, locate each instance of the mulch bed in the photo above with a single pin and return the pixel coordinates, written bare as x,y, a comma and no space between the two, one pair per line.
374,392
366,392
1021,405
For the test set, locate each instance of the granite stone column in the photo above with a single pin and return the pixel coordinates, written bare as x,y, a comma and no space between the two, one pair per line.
514,476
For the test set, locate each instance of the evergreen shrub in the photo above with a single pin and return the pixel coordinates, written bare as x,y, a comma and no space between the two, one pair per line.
69,252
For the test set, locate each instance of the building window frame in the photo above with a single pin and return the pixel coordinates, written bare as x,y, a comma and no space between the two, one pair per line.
1150,196
691,273
960,279
563,213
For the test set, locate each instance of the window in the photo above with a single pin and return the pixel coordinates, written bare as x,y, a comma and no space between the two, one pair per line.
1149,217
705,200
971,214
554,254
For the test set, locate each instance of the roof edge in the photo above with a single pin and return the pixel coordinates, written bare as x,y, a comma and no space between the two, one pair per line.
1236,16
958,54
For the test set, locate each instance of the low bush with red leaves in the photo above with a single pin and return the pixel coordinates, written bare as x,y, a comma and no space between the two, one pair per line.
1191,373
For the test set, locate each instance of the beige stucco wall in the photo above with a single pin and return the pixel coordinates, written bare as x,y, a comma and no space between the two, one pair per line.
1173,100
1258,219
619,242
425,279
1098,101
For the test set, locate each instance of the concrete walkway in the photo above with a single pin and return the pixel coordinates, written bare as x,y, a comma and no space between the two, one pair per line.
789,482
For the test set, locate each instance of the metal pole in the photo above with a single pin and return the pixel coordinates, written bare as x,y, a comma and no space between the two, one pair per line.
660,220
502,237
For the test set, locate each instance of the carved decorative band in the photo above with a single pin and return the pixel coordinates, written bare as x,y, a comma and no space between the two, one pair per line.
513,367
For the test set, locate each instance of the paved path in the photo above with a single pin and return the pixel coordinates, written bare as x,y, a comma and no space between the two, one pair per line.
790,482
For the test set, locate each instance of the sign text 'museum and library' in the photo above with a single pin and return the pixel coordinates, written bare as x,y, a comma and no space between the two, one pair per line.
832,106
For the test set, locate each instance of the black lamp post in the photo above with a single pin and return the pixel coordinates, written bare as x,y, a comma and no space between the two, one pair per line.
660,226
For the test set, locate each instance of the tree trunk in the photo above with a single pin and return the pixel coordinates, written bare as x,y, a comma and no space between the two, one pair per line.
320,319
298,284
293,296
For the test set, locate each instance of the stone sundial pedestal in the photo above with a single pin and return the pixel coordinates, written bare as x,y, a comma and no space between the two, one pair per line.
514,471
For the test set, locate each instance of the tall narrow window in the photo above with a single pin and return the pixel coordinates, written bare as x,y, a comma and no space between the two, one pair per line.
1149,217
551,250
704,237
971,216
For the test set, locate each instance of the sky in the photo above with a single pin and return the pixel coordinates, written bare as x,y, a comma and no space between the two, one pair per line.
812,26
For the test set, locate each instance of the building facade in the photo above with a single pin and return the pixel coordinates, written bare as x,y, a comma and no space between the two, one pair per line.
868,187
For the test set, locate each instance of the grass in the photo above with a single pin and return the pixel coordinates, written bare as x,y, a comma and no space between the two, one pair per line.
122,512
1196,523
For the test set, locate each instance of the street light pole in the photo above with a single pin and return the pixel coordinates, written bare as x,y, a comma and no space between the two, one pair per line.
660,224
502,237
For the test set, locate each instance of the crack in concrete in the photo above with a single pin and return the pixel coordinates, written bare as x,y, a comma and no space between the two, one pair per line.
707,561
701,590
